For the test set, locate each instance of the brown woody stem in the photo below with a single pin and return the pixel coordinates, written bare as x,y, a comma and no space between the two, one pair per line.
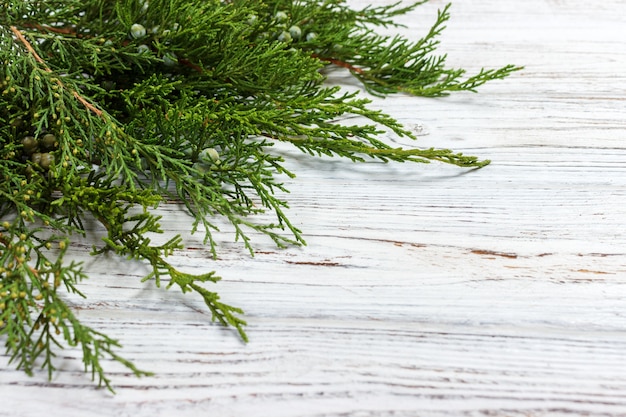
35,55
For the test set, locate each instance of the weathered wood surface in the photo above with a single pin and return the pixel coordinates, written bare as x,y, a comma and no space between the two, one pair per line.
424,290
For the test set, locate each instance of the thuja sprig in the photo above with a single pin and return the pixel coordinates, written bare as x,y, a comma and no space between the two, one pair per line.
109,108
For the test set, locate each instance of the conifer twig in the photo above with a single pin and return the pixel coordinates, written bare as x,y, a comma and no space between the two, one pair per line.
35,55
340,63
188,96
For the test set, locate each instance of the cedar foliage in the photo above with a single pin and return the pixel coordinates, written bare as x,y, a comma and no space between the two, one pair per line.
108,108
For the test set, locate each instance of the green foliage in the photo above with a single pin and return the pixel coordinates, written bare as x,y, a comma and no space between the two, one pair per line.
109,107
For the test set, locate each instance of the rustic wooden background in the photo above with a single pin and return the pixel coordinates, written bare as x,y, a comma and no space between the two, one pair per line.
424,290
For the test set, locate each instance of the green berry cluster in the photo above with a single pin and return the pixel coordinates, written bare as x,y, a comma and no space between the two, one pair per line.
154,41
36,147
39,150
282,28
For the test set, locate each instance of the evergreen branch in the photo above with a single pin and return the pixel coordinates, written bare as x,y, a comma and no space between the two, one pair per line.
109,108
394,64
223,313
30,49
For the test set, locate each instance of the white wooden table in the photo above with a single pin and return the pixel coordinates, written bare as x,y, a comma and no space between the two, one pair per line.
424,290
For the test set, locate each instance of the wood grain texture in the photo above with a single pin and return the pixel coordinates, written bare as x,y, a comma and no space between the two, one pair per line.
424,290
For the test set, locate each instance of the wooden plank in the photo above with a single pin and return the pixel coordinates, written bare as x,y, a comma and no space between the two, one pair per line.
424,290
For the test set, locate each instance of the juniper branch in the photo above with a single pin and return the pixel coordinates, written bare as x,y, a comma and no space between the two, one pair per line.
109,108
